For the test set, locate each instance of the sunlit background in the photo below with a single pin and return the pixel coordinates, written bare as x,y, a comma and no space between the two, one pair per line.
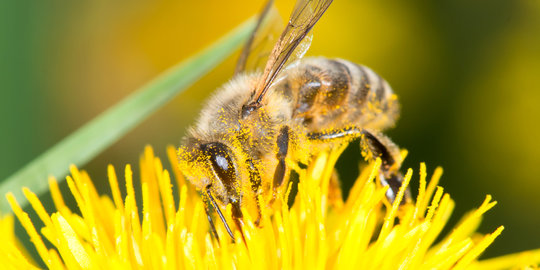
467,74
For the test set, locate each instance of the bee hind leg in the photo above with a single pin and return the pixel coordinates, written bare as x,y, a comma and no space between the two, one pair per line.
378,145
373,145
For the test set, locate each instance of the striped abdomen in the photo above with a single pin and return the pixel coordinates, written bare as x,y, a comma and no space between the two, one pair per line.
335,93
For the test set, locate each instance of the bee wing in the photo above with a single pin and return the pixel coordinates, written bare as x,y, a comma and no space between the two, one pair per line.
304,16
259,45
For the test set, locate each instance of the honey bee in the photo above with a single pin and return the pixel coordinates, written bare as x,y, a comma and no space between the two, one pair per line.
236,153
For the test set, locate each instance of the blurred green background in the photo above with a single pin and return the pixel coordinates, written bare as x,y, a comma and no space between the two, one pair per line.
467,74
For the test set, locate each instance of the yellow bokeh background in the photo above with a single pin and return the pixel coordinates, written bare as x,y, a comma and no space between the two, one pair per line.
467,74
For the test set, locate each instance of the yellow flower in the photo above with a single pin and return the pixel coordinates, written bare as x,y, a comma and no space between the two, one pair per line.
319,231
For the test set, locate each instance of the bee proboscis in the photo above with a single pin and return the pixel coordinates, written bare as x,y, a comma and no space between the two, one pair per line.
237,151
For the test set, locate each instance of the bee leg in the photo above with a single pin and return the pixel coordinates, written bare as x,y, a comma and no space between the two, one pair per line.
237,218
348,132
373,146
283,148
377,145
281,168
255,179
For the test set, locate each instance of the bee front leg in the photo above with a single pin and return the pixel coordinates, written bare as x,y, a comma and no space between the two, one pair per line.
281,168
255,179
283,148
237,216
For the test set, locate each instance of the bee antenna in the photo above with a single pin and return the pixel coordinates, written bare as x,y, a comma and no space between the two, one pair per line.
214,204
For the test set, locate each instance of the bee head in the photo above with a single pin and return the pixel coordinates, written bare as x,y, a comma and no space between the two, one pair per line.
211,167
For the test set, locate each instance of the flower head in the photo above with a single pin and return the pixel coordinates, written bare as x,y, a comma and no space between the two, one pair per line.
319,230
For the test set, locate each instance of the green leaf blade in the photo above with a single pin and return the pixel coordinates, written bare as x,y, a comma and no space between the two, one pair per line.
105,129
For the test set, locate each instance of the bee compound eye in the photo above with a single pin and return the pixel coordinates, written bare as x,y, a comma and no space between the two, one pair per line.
219,156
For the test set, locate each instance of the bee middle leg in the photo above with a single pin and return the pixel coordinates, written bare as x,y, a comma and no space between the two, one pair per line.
373,145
